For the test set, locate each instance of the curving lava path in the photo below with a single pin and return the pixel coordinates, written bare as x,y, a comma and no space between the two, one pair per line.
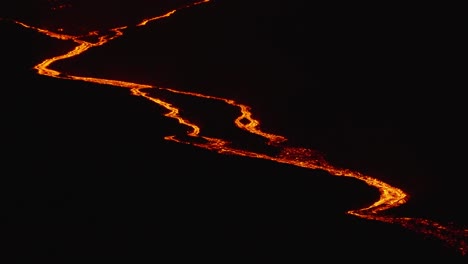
390,196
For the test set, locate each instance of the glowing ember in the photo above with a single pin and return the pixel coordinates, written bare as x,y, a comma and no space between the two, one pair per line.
390,196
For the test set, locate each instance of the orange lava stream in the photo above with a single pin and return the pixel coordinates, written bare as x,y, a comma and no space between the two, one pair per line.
390,196
252,126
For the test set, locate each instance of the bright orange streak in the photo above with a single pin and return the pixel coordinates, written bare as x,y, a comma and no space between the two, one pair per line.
390,196
173,111
170,13
144,22
251,126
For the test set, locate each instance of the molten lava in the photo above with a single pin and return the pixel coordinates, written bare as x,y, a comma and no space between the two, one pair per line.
390,196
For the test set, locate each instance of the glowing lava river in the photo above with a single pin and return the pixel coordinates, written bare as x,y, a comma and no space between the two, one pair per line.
390,196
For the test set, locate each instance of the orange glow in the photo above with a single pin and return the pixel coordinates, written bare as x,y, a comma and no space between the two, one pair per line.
251,126
390,196
168,14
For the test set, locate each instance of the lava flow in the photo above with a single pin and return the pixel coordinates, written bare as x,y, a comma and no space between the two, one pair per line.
390,196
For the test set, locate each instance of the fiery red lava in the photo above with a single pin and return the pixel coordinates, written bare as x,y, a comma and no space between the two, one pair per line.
390,196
